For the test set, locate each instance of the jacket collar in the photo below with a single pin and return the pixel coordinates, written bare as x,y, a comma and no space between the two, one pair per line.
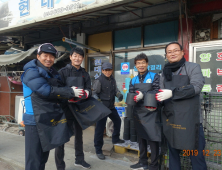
143,76
107,78
70,66
52,72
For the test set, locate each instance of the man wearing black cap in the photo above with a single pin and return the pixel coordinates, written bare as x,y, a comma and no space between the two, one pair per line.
43,89
105,89
71,74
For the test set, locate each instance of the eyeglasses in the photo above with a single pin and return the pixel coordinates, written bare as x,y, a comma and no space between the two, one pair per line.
39,49
174,51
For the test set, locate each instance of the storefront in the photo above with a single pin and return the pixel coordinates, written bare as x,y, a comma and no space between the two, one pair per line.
120,47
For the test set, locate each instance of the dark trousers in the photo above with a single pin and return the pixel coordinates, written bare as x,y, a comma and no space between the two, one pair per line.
100,126
198,162
154,146
78,145
35,158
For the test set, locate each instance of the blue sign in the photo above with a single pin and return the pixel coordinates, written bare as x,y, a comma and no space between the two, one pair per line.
125,68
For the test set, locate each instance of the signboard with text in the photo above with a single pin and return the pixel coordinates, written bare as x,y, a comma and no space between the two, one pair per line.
125,68
15,13
210,60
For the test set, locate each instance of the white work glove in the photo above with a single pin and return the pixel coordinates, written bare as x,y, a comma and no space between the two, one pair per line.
164,94
150,108
139,96
87,93
77,92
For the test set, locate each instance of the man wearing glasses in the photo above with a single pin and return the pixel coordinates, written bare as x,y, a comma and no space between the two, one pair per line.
181,84
105,89
145,117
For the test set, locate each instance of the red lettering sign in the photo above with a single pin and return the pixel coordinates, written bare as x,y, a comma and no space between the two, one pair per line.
219,72
219,87
219,56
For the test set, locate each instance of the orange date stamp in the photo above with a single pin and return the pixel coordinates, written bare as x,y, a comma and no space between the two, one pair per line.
204,152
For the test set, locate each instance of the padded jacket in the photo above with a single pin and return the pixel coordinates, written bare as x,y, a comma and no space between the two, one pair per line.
46,84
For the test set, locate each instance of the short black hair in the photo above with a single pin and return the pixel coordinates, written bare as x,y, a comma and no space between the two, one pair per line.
181,48
77,50
46,52
141,56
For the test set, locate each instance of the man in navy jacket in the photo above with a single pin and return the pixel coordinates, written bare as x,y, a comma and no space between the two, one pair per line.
42,88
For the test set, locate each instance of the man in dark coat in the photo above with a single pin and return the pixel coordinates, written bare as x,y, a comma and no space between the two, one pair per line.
74,72
43,89
105,89
181,84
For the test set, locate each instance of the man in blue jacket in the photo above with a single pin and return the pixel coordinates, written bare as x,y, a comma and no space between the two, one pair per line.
145,117
43,89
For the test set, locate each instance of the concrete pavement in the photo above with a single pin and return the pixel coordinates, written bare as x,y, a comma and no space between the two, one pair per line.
12,151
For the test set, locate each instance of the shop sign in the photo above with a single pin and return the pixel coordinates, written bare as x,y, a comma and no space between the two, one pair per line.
97,69
152,67
205,57
210,59
14,13
206,72
206,88
125,68
219,87
219,72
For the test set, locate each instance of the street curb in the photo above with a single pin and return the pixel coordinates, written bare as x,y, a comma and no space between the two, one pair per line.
12,162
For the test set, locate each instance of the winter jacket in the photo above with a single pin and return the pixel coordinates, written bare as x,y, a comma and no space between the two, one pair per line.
105,89
45,84
148,77
197,81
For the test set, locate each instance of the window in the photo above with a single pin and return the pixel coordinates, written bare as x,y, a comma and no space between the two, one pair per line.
156,63
128,38
162,33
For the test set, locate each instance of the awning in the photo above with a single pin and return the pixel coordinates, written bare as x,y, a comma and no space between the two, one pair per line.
15,58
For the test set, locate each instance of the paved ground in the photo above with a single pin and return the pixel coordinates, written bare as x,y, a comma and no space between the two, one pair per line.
12,155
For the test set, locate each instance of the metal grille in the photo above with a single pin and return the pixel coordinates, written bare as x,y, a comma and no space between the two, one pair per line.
211,106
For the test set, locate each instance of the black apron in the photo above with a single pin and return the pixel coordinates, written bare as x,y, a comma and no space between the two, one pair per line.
181,117
89,111
50,120
146,123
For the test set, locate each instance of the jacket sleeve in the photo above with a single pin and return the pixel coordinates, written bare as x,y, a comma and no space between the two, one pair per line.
87,84
40,85
161,81
36,83
117,91
156,83
131,87
96,89
61,73
194,88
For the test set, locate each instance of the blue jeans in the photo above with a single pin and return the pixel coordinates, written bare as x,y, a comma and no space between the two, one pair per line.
198,162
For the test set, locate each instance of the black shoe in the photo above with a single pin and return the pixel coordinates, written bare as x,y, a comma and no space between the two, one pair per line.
119,141
82,164
101,156
139,166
